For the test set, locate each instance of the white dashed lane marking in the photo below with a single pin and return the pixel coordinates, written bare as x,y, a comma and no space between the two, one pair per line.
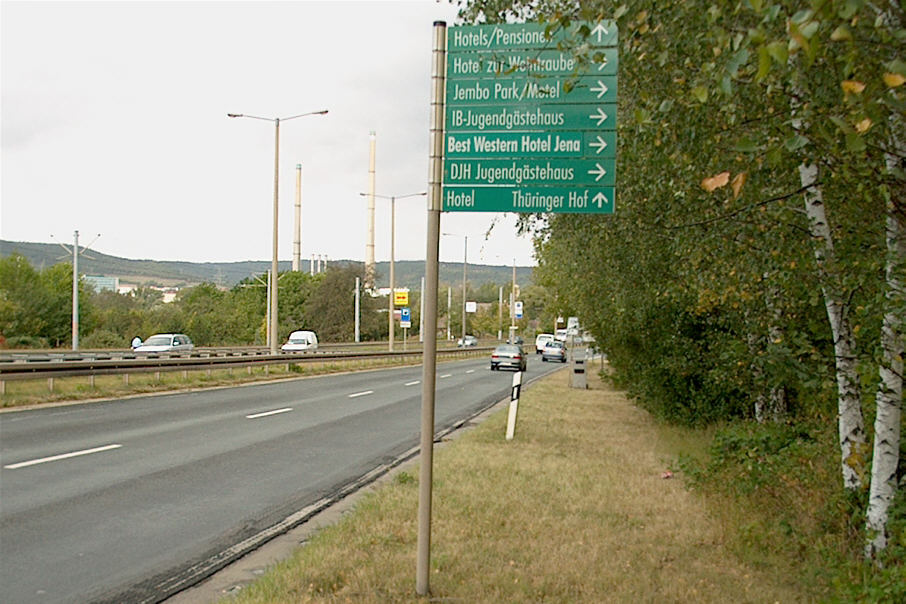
357,394
34,462
269,413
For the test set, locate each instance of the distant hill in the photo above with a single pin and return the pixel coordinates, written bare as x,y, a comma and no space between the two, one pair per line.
407,273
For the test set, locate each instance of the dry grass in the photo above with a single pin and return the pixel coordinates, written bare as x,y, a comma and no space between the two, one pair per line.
574,509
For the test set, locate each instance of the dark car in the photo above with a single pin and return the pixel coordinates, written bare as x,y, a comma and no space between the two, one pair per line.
554,351
508,355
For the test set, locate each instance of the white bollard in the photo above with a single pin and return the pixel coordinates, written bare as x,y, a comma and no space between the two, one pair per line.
514,405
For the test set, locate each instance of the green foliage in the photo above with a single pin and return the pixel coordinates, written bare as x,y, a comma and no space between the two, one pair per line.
781,478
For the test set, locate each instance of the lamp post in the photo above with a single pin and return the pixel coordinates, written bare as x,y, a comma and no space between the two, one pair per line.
465,253
390,305
272,323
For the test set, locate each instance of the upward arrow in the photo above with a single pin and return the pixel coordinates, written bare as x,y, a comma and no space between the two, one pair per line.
599,199
600,30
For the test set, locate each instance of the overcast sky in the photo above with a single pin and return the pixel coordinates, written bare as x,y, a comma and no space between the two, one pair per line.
114,122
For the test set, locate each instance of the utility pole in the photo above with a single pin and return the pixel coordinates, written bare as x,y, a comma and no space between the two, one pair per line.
297,228
369,242
75,252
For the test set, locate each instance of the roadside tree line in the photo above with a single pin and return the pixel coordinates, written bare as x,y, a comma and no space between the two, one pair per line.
754,267
36,309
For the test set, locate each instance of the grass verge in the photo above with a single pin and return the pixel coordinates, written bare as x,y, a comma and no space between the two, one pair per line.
575,509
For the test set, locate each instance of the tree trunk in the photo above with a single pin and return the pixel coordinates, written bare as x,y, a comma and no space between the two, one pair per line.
851,425
889,398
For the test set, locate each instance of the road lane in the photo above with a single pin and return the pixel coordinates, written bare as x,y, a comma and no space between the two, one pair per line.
193,475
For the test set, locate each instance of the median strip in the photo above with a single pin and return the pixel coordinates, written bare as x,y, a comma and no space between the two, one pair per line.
34,462
269,413
357,394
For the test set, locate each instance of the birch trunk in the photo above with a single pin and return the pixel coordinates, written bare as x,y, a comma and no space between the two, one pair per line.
889,398
851,425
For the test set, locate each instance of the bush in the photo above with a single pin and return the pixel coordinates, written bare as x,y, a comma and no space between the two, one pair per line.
782,484
104,338
14,342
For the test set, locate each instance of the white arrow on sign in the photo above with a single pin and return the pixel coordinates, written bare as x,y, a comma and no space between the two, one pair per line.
599,31
600,116
603,63
600,199
601,89
600,145
599,171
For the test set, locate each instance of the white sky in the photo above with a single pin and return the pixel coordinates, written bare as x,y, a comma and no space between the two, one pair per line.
114,122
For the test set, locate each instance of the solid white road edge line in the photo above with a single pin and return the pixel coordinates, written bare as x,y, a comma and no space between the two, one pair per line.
269,413
34,462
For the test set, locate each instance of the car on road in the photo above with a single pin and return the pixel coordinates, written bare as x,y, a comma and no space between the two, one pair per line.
166,342
554,350
540,340
508,355
301,340
467,341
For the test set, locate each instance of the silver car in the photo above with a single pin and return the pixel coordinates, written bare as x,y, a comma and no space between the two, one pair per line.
166,342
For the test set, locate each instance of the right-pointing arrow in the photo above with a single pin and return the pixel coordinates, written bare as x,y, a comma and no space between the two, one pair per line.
600,145
598,172
600,116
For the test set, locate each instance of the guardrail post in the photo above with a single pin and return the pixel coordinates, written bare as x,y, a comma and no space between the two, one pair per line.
50,384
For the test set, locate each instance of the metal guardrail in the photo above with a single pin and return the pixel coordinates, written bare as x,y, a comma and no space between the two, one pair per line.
131,362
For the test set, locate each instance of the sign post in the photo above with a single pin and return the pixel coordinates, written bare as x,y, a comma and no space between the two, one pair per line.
529,128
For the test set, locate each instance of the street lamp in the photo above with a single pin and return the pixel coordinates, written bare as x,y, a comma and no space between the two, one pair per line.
465,253
392,199
272,327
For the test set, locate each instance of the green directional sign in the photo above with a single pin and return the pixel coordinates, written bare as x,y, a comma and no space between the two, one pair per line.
529,35
542,118
543,171
493,64
576,200
466,145
529,127
526,89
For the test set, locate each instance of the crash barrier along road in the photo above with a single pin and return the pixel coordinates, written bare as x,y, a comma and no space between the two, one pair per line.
126,363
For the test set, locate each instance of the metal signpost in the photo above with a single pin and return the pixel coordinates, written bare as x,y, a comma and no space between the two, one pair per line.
518,124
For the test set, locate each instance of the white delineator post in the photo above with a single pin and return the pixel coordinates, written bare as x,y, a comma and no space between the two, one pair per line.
514,405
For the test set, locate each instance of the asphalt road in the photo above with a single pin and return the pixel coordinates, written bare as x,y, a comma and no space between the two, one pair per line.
117,501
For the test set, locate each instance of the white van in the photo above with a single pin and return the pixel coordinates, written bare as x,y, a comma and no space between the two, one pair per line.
301,340
541,340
